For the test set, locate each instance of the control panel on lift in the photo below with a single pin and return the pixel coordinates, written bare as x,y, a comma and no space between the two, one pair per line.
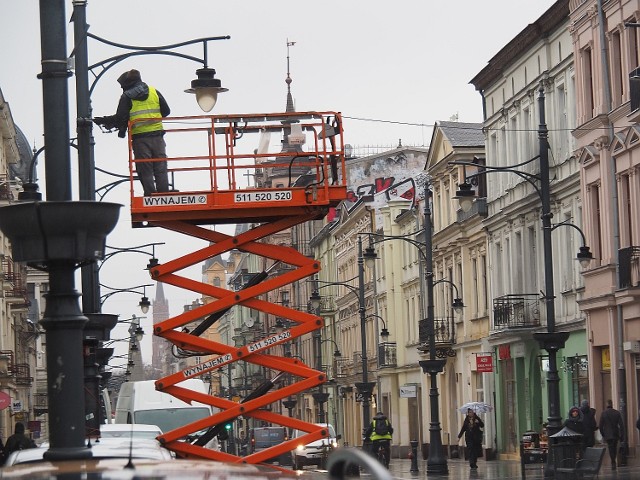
246,168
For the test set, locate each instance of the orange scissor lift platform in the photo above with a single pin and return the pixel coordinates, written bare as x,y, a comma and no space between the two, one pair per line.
221,154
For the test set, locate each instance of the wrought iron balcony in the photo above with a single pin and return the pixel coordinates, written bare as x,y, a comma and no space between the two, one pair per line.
22,373
13,282
629,267
443,328
516,311
327,305
40,404
341,368
387,355
6,193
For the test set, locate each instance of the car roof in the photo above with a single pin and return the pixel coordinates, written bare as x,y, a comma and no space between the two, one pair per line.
141,449
125,430
328,426
116,469
129,427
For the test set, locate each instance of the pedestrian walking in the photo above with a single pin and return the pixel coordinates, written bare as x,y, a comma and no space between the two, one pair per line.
472,431
612,430
144,106
590,424
575,420
18,441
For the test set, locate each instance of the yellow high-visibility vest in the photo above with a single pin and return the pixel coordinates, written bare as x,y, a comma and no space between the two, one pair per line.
148,109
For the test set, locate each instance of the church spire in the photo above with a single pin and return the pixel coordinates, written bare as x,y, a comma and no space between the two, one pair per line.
290,106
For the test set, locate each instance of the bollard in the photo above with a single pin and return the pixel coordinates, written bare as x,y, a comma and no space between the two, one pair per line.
414,456
623,450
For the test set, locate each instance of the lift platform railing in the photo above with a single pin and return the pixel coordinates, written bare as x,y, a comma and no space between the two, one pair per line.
227,161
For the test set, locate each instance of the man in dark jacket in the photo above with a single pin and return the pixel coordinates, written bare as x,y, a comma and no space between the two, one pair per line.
144,106
590,424
612,429
18,441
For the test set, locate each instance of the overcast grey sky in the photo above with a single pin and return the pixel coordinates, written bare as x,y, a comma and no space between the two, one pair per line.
392,68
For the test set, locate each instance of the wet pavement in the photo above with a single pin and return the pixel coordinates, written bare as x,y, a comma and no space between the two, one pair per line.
500,469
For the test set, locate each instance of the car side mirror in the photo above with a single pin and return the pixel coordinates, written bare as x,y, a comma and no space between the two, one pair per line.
338,437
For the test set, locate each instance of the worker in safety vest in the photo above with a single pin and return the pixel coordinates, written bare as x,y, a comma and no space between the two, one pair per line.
380,433
144,106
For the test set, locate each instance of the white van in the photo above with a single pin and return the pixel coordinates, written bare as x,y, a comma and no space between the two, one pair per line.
140,402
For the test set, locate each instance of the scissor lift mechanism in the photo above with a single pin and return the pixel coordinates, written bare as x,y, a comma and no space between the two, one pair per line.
216,171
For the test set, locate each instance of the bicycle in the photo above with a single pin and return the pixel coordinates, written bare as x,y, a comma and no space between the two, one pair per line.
382,452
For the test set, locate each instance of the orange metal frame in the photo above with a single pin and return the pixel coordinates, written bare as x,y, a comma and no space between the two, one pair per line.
215,195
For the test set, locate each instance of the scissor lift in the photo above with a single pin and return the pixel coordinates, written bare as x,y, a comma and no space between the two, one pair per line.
215,188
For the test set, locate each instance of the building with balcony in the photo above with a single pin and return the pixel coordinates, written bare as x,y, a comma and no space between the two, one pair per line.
459,271
540,59
606,38
376,183
21,346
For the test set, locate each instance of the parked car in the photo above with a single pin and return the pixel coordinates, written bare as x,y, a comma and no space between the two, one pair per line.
314,453
140,469
265,437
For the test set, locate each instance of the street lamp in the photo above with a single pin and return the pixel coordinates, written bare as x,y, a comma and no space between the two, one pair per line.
365,388
384,333
551,340
113,251
336,352
437,462
144,303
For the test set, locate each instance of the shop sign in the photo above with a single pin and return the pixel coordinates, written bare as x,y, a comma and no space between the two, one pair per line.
484,363
408,391
504,352
606,359
5,400
16,406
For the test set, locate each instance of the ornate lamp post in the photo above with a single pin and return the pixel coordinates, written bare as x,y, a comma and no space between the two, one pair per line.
365,388
437,461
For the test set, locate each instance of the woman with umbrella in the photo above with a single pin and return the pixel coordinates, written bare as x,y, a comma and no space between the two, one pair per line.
472,430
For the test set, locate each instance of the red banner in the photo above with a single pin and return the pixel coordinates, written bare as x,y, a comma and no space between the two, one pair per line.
484,363
5,400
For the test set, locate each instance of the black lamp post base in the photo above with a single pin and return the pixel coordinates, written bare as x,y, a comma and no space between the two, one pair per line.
437,467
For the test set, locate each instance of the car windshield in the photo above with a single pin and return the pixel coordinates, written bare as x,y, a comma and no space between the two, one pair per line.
269,436
171,418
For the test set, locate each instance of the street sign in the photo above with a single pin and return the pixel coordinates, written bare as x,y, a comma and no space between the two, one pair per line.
359,397
484,363
408,391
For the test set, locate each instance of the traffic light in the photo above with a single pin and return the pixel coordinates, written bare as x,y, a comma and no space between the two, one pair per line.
224,434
